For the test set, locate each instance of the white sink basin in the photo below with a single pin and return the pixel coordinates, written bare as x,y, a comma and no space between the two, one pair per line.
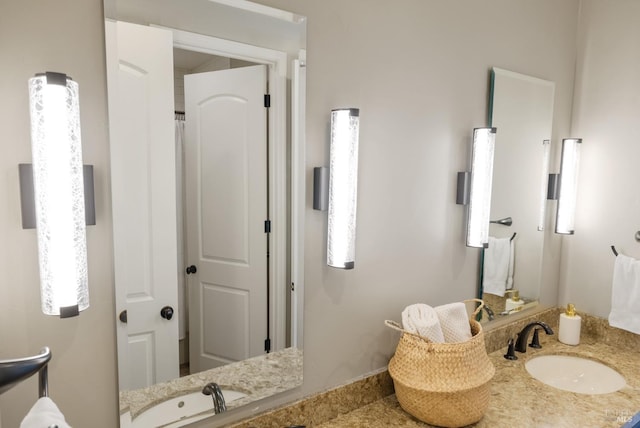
178,411
575,374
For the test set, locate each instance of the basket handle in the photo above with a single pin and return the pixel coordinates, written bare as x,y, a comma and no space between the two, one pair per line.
478,309
396,326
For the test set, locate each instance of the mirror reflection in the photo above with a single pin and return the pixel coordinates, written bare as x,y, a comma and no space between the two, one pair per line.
521,108
204,209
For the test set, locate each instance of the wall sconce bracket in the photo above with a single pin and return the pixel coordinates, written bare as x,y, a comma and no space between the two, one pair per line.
464,188
552,187
27,196
321,188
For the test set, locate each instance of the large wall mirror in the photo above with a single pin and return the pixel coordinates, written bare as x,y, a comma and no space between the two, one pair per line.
206,111
521,108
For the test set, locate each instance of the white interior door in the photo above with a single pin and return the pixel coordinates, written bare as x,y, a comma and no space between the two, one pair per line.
226,189
140,79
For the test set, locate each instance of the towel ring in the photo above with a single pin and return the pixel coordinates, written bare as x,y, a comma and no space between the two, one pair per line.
16,370
513,236
636,236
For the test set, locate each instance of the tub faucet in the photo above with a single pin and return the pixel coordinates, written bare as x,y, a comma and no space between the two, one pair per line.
521,343
213,389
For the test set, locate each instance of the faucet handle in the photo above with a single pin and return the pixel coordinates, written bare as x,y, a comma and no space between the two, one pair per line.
535,340
511,352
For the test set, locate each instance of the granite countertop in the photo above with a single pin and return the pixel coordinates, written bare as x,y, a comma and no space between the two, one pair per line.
258,377
519,400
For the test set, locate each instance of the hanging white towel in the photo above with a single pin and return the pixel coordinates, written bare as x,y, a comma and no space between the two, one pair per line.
497,275
423,320
454,322
625,294
44,414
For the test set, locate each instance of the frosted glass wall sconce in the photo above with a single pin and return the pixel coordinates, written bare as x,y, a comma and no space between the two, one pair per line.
474,188
58,183
564,187
546,150
335,188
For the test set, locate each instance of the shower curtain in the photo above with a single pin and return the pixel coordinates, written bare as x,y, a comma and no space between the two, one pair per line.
182,298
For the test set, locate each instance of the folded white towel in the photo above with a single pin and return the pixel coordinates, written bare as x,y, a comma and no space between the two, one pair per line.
44,414
497,276
454,322
423,320
625,294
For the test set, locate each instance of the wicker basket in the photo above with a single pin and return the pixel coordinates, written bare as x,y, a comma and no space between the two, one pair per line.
442,384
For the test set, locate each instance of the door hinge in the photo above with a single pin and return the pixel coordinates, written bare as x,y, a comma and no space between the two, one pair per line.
267,100
267,345
267,226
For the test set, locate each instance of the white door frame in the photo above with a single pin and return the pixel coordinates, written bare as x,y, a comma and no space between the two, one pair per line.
277,75
298,189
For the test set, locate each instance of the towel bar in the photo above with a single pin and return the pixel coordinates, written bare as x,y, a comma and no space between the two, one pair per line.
637,238
14,371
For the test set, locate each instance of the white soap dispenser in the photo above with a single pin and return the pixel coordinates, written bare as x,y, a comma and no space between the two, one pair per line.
569,328
514,302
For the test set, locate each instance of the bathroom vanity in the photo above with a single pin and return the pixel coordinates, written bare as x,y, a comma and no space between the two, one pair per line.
517,399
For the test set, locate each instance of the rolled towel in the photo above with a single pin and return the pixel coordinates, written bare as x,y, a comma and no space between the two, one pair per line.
423,320
454,322
44,414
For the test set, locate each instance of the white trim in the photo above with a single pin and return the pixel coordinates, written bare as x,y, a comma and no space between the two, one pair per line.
262,10
277,62
298,187
222,47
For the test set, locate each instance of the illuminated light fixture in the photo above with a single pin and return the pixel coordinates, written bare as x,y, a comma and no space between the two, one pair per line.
59,194
568,186
474,189
343,186
546,150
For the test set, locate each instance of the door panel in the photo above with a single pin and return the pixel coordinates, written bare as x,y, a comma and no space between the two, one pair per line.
140,77
141,349
226,182
228,341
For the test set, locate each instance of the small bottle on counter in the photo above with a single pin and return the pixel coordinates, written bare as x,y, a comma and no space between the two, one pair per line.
514,302
569,328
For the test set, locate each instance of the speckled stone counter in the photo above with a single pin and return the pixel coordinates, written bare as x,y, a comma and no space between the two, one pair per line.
258,377
517,399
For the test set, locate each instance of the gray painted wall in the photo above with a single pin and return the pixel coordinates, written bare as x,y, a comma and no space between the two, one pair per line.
418,71
605,114
65,36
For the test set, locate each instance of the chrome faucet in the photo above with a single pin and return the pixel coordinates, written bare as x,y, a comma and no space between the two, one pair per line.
213,389
521,343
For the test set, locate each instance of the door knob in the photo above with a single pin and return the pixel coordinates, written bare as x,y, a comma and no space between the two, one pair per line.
123,316
192,269
166,312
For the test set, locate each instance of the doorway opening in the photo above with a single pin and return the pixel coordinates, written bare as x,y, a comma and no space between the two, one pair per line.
188,63
281,309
